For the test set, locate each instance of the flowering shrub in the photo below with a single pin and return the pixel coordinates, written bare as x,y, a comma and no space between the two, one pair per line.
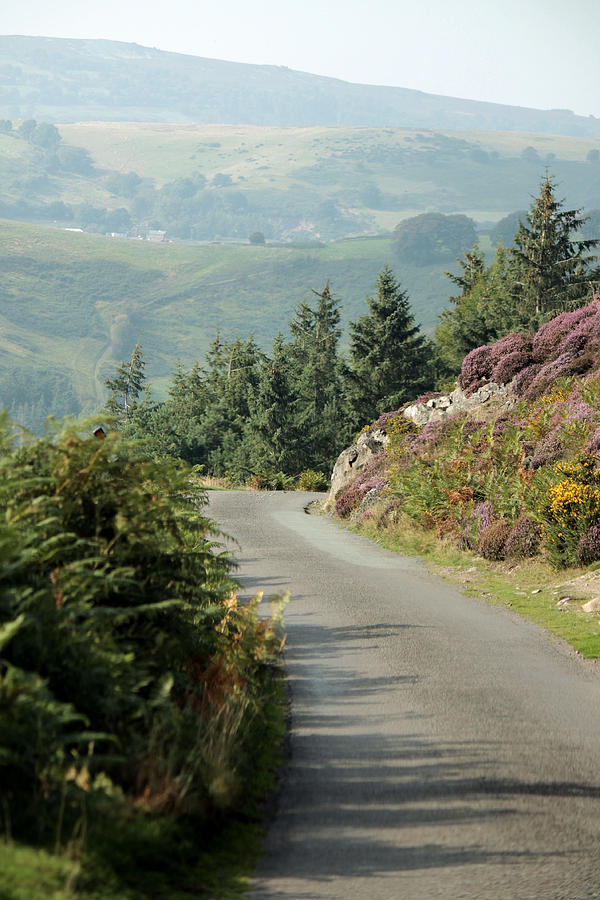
484,515
471,427
428,395
516,342
431,435
593,444
386,417
548,450
568,508
493,539
548,374
523,379
508,366
348,500
476,369
588,548
546,343
524,539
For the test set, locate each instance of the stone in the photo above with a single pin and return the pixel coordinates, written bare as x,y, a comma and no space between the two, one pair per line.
351,461
592,605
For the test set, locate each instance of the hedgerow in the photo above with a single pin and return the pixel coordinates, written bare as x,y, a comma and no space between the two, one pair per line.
130,675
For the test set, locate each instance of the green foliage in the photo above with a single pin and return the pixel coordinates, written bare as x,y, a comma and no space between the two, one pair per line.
390,358
480,314
309,480
130,677
566,500
431,236
554,267
125,387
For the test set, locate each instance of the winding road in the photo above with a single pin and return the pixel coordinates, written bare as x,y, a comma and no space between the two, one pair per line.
439,747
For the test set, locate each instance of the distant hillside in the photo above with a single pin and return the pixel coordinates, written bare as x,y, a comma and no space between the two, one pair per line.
73,305
217,182
65,80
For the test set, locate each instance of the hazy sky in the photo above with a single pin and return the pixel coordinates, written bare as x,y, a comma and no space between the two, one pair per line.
540,53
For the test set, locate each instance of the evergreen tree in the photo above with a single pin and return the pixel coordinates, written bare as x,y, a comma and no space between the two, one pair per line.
554,268
270,434
480,314
316,369
390,357
126,386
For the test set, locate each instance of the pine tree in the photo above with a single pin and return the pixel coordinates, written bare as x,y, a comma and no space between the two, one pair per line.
554,267
126,386
390,357
270,434
480,314
317,375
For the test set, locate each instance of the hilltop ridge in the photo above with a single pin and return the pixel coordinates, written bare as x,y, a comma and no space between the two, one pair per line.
69,80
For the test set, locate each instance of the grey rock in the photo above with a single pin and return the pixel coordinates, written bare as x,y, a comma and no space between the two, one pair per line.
352,460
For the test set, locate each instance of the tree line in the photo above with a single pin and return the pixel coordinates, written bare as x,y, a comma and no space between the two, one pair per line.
279,416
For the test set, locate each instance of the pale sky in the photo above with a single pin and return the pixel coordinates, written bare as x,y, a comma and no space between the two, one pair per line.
538,53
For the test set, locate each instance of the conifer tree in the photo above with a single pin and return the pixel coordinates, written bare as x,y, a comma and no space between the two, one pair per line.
316,368
390,357
554,267
126,386
270,432
480,314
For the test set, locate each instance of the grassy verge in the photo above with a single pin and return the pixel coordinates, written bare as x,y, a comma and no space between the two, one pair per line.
552,599
137,857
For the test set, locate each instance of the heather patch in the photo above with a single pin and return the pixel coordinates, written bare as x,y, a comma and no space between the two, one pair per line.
548,339
493,540
524,539
517,486
476,369
508,366
588,548
547,450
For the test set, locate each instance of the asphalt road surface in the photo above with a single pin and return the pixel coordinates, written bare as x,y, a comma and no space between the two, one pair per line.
439,747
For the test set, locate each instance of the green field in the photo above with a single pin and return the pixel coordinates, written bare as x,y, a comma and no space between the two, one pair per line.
206,182
72,305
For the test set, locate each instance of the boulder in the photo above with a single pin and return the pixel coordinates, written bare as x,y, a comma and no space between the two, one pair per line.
449,404
351,461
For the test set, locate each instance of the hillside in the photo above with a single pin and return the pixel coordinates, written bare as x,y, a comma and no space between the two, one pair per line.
65,80
73,305
507,465
213,182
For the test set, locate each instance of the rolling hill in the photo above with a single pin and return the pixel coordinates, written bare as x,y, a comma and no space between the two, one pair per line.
73,305
67,80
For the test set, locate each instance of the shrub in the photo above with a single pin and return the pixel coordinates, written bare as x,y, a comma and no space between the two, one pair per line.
593,444
567,505
547,450
483,515
524,378
546,342
588,548
476,369
309,480
510,365
373,475
471,427
493,540
386,417
524,539
117,627
515,342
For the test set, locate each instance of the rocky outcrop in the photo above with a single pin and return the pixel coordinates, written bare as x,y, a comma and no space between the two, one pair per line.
458,402
493,397
351,461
